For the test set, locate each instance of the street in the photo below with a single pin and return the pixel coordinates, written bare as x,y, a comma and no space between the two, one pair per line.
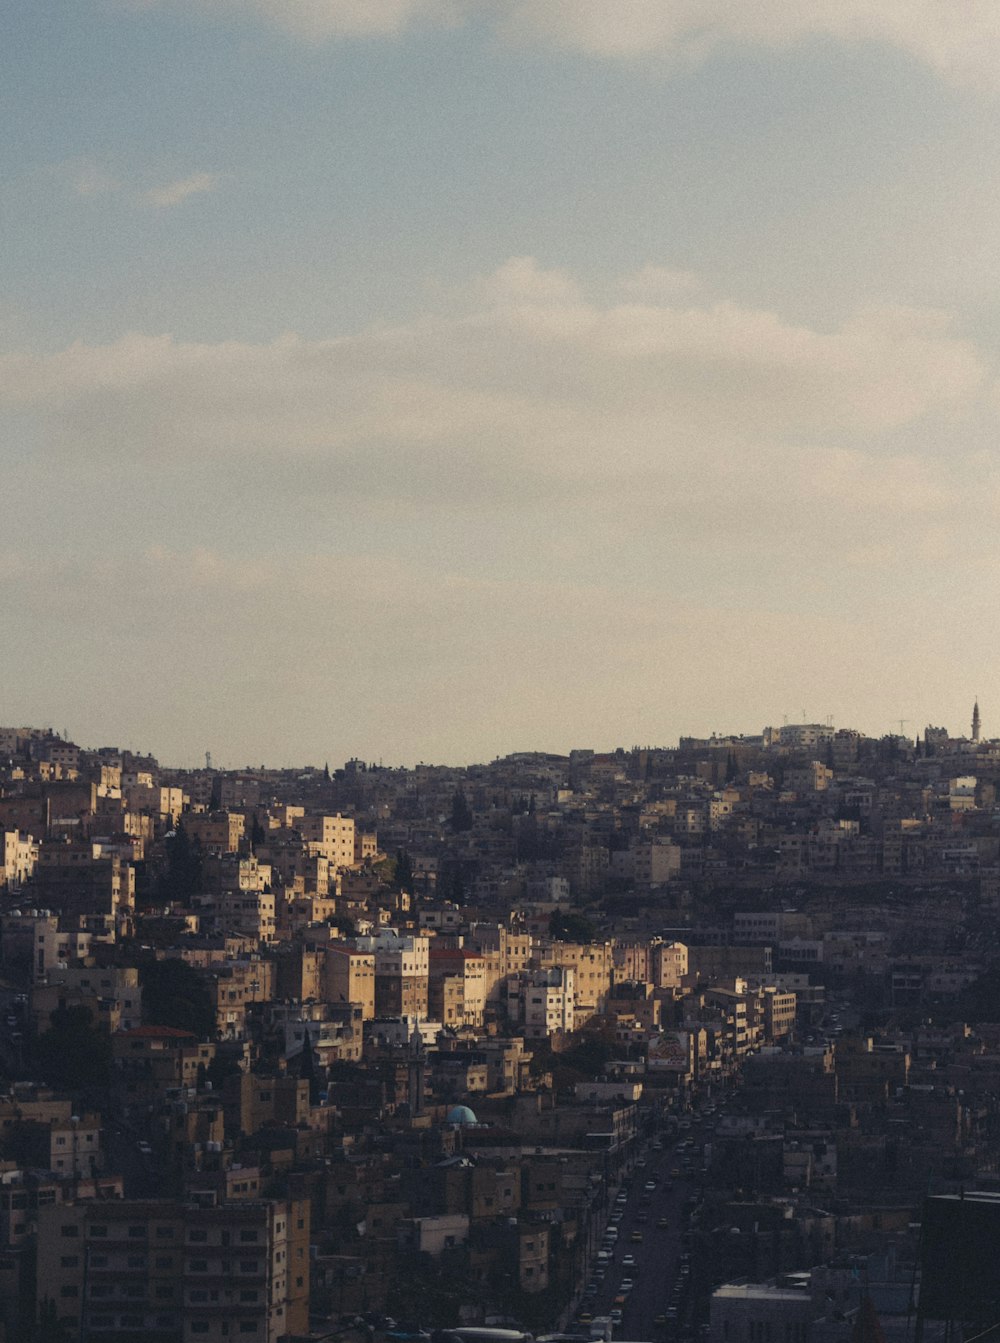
646,1251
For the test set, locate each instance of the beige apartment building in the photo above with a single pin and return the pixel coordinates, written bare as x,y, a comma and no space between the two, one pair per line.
401,972
332,836
162,1270
592,965
349,977
468,967
217,831
18,858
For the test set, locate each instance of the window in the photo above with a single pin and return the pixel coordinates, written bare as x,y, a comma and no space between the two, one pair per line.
248,1265
198,1265
136,1261
164,1233
164,1261
197,1235
164,1291
69,1261
248,1326
69,1231
137,1232
199,1294
69,1290
247,1236
248,1294
98,1261
199,1326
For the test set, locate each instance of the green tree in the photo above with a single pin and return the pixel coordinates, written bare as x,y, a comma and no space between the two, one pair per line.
402,876
569,926
461,812
257,835
181,879
73,1053
174,994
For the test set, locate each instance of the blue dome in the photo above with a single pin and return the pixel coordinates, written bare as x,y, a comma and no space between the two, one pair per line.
460,1114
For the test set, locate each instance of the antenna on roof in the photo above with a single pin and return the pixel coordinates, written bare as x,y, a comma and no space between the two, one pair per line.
208,759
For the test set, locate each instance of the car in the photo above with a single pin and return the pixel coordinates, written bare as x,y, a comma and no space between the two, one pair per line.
620,1299
628,1261
584,1317
671,1313
660,1320
642,1218
635,1238
649,1186
663,1223
145,1148
616,1315
674,1172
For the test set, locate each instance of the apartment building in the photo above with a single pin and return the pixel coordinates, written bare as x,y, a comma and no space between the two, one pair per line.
174,1272
349,977
332,836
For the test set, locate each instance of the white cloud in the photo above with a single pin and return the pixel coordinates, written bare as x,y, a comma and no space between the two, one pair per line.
173,193
533,374
89,178
321,20
959,40
486,528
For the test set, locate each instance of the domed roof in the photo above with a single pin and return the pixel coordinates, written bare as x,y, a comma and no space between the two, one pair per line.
460,1114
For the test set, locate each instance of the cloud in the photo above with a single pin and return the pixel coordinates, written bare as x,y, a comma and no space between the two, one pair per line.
501,523
322,20
531,376
89,178
173,193
959,41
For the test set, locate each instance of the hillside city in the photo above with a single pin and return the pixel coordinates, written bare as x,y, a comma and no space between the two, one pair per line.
688,1043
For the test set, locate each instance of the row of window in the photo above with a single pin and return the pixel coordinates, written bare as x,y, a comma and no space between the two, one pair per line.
247,1236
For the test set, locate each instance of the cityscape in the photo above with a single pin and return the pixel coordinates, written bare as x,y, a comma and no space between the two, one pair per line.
500,785
656,1043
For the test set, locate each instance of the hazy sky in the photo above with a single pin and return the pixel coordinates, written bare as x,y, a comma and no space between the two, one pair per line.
431,379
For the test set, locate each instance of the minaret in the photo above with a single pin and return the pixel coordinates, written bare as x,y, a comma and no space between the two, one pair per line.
975,720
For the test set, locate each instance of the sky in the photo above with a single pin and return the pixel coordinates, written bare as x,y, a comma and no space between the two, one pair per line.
435,379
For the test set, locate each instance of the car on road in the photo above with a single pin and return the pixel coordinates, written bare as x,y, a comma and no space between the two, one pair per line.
628,1261
663,1223
649,1186
635,1238
616,1315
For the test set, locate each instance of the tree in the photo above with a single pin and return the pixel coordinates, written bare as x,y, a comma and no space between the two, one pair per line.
182,877
174,994
73,1053
461,813
257,835
569,926
403,875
